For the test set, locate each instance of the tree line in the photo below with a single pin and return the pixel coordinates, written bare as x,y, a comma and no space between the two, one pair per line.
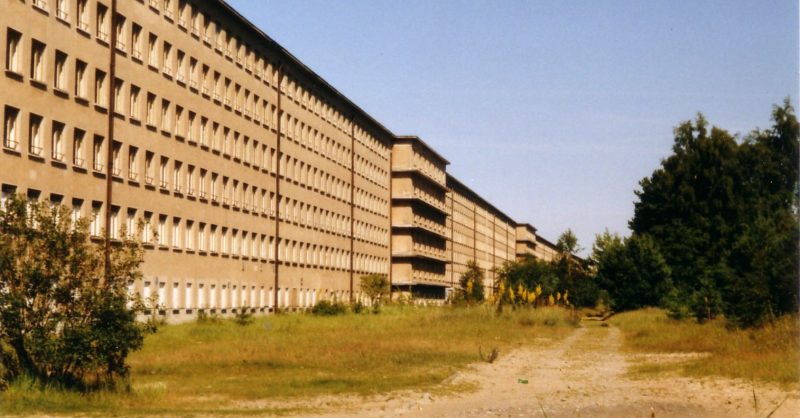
714,233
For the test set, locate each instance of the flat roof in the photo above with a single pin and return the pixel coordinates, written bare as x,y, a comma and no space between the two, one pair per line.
481,199
424,144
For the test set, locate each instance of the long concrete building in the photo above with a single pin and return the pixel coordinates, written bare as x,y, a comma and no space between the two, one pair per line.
260,185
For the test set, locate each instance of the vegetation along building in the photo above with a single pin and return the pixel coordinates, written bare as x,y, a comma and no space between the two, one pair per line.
258,184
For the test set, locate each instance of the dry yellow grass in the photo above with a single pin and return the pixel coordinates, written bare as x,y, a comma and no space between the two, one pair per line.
770,353
218,367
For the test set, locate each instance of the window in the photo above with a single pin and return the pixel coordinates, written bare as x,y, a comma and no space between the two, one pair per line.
113,227
178,129
203,131
163,172
115,163
83,16
80,79
176,176
176,232
102,22
62,9
130,223
57,145
153,50
37,60
100,96
77,148
165,115
96,224
119,31
201,241
193,73
162,230
13,51
151,109
60,71
40,4
168,9
192,127
97,153
149,174
202,183
77,209
147,233
119,104
167,58
133,162
136,41
181,68
11,129
189,240
36,145
134,105
190,180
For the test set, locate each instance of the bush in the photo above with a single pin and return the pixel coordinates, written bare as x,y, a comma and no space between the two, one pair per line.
204,318
328,308
67,320
471,283
375,286
244,316
358,307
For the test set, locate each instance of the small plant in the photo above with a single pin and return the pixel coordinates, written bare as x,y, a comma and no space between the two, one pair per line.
328,308
204,318
491,357
244,317
358,307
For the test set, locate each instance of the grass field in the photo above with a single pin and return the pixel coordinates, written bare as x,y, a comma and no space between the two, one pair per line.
223,368
769,354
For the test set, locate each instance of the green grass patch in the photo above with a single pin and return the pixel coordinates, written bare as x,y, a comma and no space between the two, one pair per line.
225,368
770,353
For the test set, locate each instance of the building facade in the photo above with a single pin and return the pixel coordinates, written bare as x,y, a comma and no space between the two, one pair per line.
478,232
259,186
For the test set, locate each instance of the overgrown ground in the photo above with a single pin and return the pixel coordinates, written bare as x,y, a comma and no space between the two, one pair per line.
768,354
220,367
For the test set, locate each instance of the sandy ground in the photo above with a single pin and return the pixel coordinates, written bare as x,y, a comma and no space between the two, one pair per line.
583,376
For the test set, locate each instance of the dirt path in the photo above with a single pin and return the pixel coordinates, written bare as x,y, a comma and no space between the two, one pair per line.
583,376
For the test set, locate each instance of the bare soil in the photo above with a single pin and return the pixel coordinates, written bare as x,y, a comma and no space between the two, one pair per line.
582,376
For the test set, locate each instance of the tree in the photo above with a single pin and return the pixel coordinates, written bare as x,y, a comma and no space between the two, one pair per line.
375,286
64,319
632,270
724,215
471,283
573,273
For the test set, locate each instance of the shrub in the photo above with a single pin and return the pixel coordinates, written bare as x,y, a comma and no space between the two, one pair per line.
375,286
243,316
67,319
204,318
471,283
358,307
328,308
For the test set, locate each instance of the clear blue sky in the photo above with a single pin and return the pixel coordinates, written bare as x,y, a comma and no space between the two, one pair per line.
552,110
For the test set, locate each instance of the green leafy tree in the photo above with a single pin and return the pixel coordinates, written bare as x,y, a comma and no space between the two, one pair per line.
376,287
471,283
632,270
64,319
724,215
